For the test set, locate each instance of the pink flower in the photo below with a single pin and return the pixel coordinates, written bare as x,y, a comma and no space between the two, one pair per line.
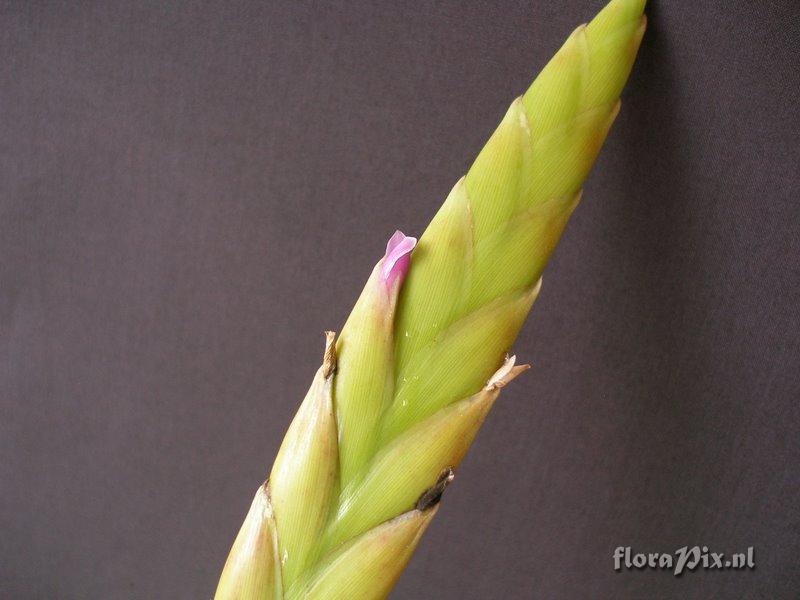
397,257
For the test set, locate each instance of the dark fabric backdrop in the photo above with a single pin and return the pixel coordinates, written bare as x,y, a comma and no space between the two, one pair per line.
192,192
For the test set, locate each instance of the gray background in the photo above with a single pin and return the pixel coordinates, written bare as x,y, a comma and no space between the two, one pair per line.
190,193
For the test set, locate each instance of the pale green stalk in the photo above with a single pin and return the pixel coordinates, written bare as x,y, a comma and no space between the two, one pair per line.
404,390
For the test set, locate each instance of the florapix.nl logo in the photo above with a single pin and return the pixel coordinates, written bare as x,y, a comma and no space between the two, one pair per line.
688,558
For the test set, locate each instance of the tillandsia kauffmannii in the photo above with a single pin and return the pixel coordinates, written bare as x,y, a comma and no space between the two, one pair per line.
403,390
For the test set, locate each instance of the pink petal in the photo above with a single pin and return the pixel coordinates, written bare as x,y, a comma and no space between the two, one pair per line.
397,258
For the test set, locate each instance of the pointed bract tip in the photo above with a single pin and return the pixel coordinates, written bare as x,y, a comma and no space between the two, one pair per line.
397,257
537,288
433,495
506,373
329,357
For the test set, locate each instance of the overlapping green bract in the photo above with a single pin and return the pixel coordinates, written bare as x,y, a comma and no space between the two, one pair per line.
414,378
253,568
495,233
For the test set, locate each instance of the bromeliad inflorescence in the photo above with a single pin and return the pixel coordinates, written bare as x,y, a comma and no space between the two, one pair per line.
403,391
